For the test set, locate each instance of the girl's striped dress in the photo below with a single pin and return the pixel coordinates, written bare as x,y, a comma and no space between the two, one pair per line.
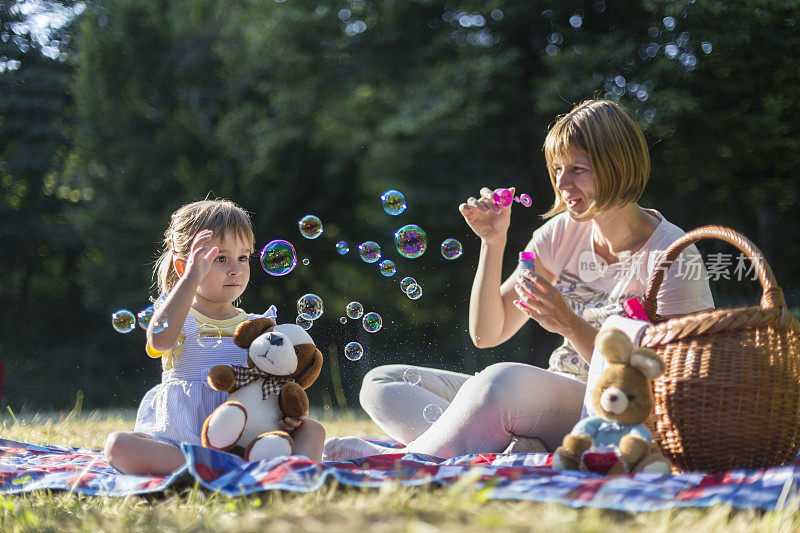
174,410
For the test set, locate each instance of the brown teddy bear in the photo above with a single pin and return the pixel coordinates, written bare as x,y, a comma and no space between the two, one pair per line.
282,361
616,440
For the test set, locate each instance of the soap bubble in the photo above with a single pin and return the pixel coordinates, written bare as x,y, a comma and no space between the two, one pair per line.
369,251
406,283
354,310
310,227
342,247
451,249
393,202
372,322
412,376
411,241
414,291
310,304
278,257
304,320
306,261
123,321
146,316
387,268
343,319
525,200
353,351
209,336
431,413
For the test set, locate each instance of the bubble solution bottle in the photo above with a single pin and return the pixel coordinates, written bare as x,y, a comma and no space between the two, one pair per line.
527,260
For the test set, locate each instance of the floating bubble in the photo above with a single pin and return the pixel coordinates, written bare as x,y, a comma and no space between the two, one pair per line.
431,413
525,200
326,407
412,376
369,251
306,261
372,322
414,291
146,317
123,321
411,241
406,283
353,351
209,336
342,247
310,304
393,202
310,227
354,310
451,249
387,268
161,300
278,257
343,319
304,320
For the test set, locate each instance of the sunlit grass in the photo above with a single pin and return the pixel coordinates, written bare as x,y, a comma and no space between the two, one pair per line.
333,508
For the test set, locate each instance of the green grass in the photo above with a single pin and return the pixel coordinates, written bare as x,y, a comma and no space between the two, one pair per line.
333,508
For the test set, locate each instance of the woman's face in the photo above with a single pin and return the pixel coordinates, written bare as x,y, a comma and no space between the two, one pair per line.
575,180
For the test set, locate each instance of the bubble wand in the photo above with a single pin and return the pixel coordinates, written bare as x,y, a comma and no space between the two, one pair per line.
504,197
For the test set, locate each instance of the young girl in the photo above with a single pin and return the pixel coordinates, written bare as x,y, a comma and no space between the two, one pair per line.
204,269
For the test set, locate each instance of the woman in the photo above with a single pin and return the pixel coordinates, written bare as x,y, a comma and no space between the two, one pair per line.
596,251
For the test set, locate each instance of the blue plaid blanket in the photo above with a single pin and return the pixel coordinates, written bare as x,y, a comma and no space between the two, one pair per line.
28,467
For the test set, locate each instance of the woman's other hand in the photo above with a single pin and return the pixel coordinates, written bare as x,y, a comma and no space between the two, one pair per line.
485,218
542,302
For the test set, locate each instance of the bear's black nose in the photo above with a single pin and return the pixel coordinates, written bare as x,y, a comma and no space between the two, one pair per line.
275,340
612,397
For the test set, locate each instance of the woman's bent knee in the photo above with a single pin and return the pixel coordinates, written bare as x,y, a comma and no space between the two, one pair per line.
503,382
375,380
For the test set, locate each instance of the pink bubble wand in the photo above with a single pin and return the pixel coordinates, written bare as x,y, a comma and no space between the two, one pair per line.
504,197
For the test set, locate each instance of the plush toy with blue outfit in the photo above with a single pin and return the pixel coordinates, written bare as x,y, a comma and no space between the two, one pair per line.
616,440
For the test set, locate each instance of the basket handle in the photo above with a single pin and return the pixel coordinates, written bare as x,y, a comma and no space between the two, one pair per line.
772,296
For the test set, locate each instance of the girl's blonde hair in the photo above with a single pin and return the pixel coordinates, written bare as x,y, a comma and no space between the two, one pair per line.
616,148
220,216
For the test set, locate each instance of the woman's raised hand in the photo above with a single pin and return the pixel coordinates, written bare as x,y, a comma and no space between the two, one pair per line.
485,218
201,255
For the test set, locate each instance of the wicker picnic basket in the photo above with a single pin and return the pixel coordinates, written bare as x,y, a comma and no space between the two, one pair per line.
730,397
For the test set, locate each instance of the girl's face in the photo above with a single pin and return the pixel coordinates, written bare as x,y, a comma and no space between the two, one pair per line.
575,180
230,270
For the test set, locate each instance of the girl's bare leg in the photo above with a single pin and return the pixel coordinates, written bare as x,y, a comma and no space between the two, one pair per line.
309,439
140,454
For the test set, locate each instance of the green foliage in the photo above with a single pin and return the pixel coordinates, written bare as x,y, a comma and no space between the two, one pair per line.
297,107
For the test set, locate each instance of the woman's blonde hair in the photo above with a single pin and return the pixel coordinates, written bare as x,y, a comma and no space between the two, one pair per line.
616,148
220,216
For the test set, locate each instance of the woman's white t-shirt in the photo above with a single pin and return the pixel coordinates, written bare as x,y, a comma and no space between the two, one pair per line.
596,290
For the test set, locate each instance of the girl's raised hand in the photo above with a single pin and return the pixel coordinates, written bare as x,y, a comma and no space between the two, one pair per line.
201,256
485,218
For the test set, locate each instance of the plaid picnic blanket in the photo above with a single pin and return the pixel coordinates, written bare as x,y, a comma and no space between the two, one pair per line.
28,467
